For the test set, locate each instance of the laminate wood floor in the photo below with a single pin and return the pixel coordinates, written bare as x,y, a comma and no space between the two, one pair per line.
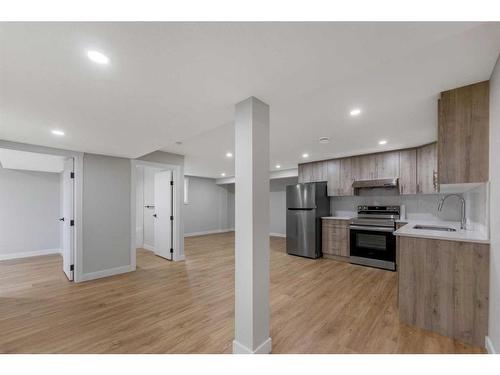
317,306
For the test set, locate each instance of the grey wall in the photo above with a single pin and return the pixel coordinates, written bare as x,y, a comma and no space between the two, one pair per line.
29,211
277,204
207,209
106,213
494,316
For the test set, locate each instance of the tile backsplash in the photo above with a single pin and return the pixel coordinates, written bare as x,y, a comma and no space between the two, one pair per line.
423,207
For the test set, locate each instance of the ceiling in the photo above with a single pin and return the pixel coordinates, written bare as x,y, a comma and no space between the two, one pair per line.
31,161
169,82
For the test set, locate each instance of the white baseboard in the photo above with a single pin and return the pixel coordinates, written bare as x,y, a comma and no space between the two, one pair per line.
178,258
264,348
148,247
207,232
277,235
489,346
106,273
28,254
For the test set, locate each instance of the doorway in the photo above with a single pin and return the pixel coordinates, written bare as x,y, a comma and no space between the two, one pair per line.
154,203
37,215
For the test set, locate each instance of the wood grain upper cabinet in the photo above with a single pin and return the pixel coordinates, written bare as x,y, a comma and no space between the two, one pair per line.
408,171
363,167
387,165
427,169
333,181
463,134
319,171
313,172
346,177
305,172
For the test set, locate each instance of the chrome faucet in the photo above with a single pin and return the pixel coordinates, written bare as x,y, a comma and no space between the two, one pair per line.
463,220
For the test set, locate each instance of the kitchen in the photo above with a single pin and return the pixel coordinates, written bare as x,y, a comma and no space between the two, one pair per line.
421,212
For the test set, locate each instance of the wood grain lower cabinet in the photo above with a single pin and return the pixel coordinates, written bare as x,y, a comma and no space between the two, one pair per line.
335,237
444,287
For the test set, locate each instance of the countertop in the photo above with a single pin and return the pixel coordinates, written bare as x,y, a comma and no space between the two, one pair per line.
337,217
460,235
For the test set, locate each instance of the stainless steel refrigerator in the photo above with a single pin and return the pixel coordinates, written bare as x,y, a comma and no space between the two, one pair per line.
306,205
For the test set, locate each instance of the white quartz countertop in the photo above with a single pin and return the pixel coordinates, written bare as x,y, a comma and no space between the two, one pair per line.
337,218
460,235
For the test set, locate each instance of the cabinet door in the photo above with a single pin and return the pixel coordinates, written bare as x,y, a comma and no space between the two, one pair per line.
319,171
333,180
463,134
346,177
363,167
387,165
427,169
335,238
305,172
408,171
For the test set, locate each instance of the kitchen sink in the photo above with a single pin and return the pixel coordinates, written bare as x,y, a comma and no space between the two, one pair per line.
434,227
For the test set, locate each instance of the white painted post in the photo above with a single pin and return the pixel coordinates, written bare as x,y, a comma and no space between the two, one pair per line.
251,323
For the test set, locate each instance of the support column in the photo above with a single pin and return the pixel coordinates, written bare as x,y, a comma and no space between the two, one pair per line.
251,323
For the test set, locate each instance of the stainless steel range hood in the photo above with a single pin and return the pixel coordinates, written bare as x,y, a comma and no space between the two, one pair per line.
382,183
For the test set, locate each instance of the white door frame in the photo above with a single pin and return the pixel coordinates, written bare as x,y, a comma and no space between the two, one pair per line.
78,195
178,235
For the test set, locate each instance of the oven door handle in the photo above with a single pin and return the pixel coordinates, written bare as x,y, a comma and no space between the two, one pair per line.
374,229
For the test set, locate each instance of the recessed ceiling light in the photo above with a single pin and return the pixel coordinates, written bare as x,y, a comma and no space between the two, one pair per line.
98,57
223,174
355,112
60,133
305,155
278,166
382,142
324,140
229,154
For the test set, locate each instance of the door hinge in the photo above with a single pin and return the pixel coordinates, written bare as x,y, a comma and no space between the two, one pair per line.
72,175
71,223
172,183
171,251
72,267
171,218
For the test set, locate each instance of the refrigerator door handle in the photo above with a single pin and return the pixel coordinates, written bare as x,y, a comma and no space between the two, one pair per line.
301,209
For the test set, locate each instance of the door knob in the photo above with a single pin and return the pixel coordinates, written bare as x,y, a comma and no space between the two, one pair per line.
154,215
61,219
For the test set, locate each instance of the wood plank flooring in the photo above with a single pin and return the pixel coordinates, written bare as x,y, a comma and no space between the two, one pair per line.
317,306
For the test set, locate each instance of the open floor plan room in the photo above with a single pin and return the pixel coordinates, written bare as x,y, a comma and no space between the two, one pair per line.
232,187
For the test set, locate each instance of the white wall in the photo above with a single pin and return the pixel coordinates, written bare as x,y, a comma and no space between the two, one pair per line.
29,212
494,315
207,210
106,214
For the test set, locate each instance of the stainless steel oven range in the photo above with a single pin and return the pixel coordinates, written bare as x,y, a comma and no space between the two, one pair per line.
372,242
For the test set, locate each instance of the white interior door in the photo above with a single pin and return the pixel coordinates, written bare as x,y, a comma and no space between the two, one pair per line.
67,219
163,211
